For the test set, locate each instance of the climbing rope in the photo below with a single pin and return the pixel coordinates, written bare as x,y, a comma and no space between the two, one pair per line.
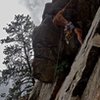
60,40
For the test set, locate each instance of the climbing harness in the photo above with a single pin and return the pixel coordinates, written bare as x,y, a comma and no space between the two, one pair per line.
68,31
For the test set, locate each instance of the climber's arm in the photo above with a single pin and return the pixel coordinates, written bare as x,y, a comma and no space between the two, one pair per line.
59,19
78,32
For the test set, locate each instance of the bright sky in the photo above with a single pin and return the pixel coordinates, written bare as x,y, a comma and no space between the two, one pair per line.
8,8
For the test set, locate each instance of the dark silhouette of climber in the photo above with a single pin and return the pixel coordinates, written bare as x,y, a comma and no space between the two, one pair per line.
60,20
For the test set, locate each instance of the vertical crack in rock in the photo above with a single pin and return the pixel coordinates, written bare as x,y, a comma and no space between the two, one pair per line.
71,82
90,64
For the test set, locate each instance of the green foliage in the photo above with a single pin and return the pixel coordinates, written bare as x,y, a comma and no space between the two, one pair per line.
62,66
19,53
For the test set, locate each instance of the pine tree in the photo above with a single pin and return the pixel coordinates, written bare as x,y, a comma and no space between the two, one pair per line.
19,53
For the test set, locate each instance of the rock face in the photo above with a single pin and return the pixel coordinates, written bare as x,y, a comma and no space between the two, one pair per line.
45,44
83,81
86,61
49,42
92,91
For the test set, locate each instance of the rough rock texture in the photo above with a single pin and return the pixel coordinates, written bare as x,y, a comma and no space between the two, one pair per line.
71,88
35,91
50,47
83,81
92,92
79,65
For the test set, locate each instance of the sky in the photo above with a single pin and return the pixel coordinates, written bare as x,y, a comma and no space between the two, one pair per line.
36,8
10,8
